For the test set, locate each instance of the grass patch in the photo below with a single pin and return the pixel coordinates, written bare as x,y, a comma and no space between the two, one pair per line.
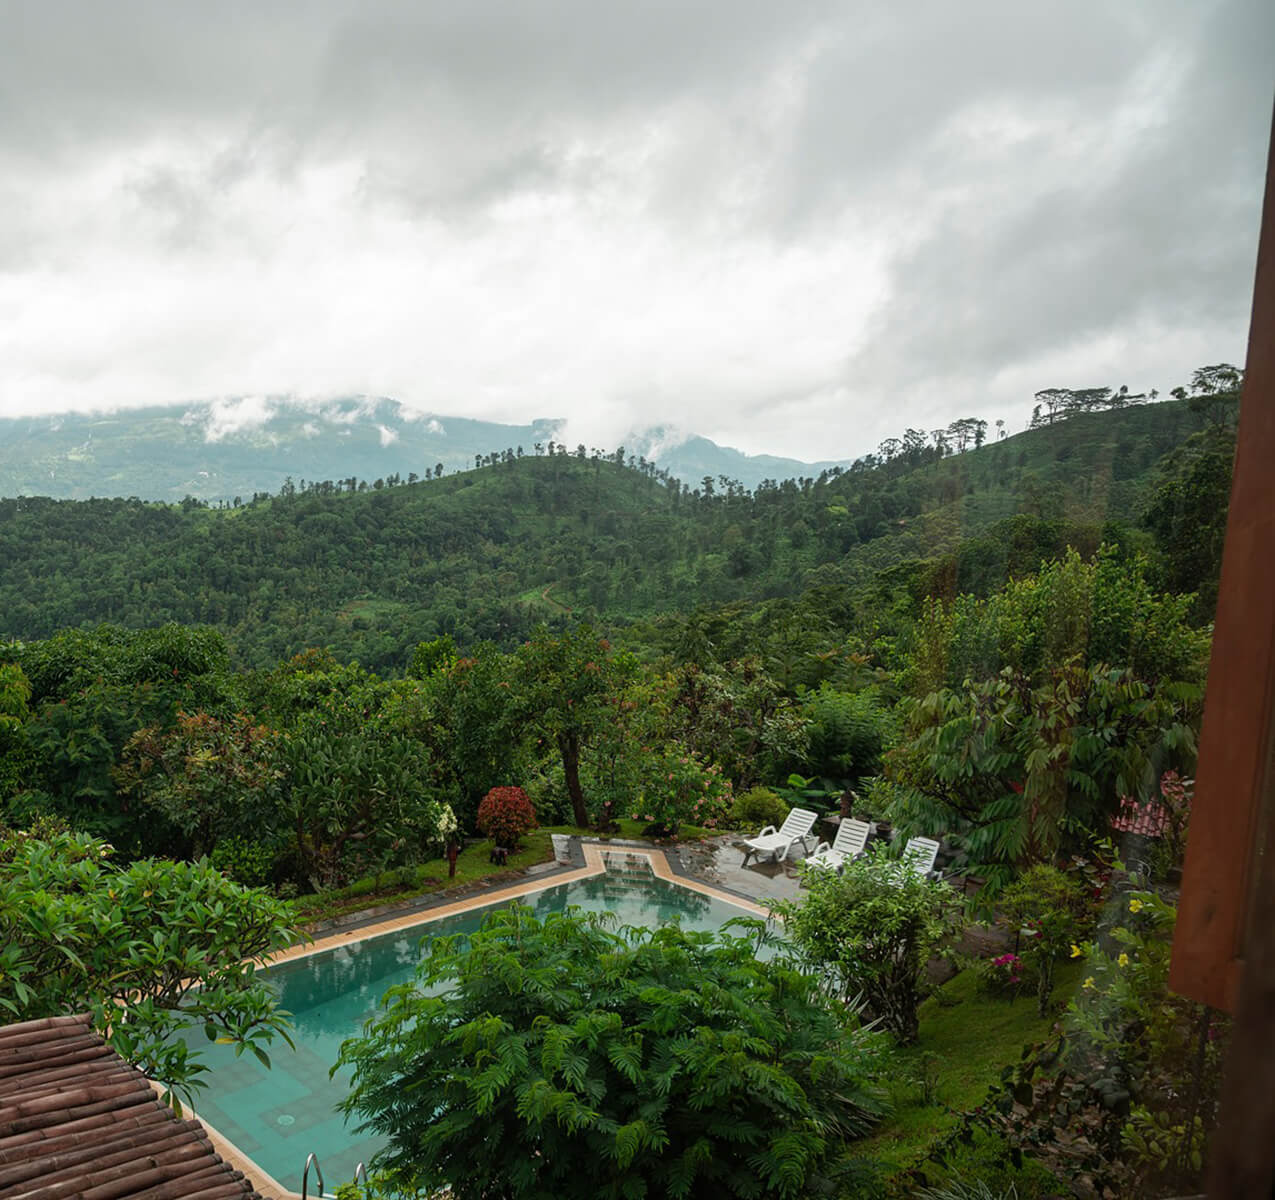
372,609
406,883
966,1038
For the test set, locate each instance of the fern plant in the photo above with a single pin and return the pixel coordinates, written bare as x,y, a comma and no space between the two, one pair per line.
564,1058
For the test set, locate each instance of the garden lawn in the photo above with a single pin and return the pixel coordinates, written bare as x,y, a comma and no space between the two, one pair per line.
966,1038
406,883
472,864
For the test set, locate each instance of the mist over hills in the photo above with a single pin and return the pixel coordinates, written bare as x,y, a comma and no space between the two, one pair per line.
217,450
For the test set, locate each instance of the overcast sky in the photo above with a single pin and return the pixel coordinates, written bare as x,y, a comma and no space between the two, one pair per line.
794,226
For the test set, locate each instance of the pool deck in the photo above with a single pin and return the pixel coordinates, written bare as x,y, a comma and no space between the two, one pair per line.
718,862
713,868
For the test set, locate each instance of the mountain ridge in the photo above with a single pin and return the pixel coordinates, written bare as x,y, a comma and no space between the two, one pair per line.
217,450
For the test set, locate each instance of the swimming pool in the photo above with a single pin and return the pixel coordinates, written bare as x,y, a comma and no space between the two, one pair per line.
279,1116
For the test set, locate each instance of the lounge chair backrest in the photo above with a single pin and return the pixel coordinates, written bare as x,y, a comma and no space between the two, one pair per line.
798,823
852,837
920,853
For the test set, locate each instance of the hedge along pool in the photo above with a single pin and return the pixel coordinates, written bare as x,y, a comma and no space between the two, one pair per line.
277,1117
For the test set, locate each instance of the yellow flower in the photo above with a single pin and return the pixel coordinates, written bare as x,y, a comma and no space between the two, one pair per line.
1076,951
1123,960
1089,983
1135,905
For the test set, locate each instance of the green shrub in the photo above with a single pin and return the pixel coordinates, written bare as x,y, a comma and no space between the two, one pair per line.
244,860
979,1167
564,1058
546,787
872,930
884,799
1049,908
974,1190
757,808
847,731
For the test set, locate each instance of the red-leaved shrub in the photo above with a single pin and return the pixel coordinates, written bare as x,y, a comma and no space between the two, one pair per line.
505,814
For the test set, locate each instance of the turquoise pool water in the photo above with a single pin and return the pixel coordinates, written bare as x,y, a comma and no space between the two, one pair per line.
278,1116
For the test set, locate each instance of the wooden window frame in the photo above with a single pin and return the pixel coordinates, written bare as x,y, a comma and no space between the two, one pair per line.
1234,776
1224,944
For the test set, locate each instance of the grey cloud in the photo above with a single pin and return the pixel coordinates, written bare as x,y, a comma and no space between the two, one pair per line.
449,104
1160,240
1120,209
882,90
343,69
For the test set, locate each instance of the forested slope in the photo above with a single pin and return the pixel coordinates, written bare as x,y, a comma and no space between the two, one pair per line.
488,553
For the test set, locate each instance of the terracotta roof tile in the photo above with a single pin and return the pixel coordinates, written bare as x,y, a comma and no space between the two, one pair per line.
1149,819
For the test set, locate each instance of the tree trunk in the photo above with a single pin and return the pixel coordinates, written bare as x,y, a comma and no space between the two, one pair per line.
569,744
1044,986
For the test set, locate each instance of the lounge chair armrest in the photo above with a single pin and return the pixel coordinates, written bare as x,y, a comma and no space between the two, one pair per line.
819,849
768,829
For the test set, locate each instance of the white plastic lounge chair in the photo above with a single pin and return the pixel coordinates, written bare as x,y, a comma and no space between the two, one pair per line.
796,828
852,837
919,855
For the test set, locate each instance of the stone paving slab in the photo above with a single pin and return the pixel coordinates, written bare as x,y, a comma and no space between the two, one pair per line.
719,862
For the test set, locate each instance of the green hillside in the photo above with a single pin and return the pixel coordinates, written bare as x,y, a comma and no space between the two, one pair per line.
488,553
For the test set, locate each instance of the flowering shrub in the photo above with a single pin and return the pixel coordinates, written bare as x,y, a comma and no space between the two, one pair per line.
448,827
676,786
1121,1102
505,814
1005,974
1049,909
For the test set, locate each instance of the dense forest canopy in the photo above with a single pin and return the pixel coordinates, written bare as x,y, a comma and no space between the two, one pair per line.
558,534
413,645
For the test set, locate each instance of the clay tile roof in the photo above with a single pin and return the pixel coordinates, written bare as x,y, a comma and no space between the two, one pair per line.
79,1123
1149,819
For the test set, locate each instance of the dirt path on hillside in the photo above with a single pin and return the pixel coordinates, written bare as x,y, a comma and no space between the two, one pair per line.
548,599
